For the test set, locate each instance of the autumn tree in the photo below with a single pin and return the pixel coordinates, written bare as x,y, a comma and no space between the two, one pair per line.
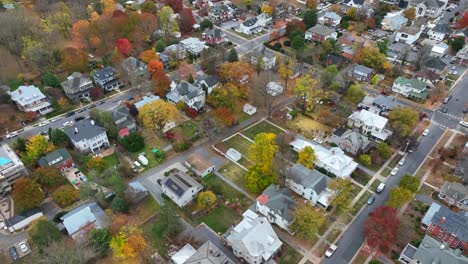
286,69
96,163
307,157
355,94
295,26
436,93
63,251
148,55
409,182
105,119
462,22
168,23
410,13
129,244
120,205
176,5
256,180
65,195
311,4
49,177
307,222
185,69
365,160
236,72
307,92
161,83
74,60
149,7
372,58
342,196
381,228
157,114
402,120
226,115
27,194
36,146
384,150
263,150
154,66
206,198
42,232
186,20
370,23
99,241
169,221
327,77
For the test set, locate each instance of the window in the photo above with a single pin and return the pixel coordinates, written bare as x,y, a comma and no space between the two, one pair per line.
440,235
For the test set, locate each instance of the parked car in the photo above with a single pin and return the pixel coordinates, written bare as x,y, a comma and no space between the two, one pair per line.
68,123
330,250
79,118
426,132
12,134
394,171
69,114
402,161
13,253
102,102
464,123
24,248
444,110
380,188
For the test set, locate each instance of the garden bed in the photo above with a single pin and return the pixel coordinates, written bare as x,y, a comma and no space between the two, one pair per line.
360,203
238,143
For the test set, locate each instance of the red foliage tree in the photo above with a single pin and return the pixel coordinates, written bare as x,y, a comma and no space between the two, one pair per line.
226,115
176,5
124,46
187,20
381,228
161,83
118,13
463,21
96,93
190,112
155,65
294,25
370,23
31,116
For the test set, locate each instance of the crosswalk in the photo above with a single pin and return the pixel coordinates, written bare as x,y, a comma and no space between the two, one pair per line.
439,125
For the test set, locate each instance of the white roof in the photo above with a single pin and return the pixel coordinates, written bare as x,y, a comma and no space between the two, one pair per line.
369,119
145,100
274,88
234,154
440,48
183,254
27,94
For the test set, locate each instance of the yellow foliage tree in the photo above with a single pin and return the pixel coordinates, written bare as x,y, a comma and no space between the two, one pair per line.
128,244
307,157
410,13
267,9
63,102
308,90
96,163
36,146
148,55
157,114
206,199
263,150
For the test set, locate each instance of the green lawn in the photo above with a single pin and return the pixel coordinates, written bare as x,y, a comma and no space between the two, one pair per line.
361,177
220,219
218,186
333,235
386,172
262,127
394,161
153,234
111,160
289,255
234,173
375,184
238,143
145,209
188,129
360,203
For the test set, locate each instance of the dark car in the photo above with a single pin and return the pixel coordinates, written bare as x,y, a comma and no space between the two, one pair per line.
13,253
102,102
69,114
82,110
371,199
24,123
444,110
79,118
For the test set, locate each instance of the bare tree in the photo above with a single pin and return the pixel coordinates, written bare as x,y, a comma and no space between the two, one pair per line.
209,129
266,96
15,25
63,252
404,58
437,92
283,140
422,55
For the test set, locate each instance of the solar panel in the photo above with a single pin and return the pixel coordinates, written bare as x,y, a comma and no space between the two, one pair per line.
182,180
174,187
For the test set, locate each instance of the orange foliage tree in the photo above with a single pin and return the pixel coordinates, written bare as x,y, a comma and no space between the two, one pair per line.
148,55
185,70
154,66
161,83
80,32
237,73
226,115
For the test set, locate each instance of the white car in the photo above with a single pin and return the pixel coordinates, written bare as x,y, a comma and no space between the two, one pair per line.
426,132
24,248
394,171
402,161
41,124
68,123
464,123
330,250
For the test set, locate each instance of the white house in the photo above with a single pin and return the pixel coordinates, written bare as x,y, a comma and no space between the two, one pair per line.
208,81
393,21
87,136
410,88
192,95
11,168
255,24
30,99
438,32
354,3
310,184
267,56
254,239
180,187
332,160
274,88
410,34
277,205
439,49
370,124
193,46
330,19
200,164
428,8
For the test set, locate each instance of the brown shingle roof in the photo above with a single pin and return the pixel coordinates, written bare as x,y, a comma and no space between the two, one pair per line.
199,162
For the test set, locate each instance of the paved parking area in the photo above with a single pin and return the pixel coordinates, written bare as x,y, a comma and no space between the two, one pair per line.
75,177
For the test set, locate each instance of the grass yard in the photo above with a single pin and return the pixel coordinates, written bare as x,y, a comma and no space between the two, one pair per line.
145,209
289,255
394,161
220,219
238,143
443,140
360,203
386,172
218,186
188,129
333,235
111,160
440,175
233,172
361,177
305,124
375,184
152,231
425,190
262,127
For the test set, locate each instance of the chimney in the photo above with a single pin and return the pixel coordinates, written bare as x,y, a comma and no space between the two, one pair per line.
442,220
19,91
92,122
76,130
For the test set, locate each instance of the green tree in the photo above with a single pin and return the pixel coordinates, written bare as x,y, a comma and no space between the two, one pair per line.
355,94
105,119
409,182
119,205
310,18
384,150
402,120
49,177
457,43
298,42
169,221
206,23
375,79
160,45
168,22
398,197
232,57
307,222
58,137
99,241
65,195
342,193
352,13
206,198
61,19
307,157
50,79
365,160
383,45
149,7
328,75
27,194
263,150
42,232
256,181
133,142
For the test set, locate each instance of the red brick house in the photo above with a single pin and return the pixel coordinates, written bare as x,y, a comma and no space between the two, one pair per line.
213,36
59,159
320,33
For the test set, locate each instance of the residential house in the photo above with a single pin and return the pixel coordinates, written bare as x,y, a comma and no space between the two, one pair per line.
20,221
201,165
146,100
213,36
454,194
165,59
192,95
87,136
462,55
398,52
331,19
277,205
439,50
207,82
219,12
107,78
250,26
460,33
310,184
254,239
77,86
393,21
178,51
410,88
332,160
30,99
267,56
361,73
274,88
461,169
193,46
410,34
136,192
370,124
320,33
83,219
429,77
435,64
447,226
439,31
124,121
353,3
134,67
11,168
208,253
382,104
350,141
60,159
180,187
428,8
431,251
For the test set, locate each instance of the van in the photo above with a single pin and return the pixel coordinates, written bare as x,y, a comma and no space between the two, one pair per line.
143,160
380,188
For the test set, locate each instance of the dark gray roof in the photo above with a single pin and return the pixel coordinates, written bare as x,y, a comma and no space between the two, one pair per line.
442,28
432,3
22,216
455,223
435,63
389,102
358,2
339,131
187,89
54,155
133,64
250,22
215,32
321,30
456,191
86,130
308,178
120,112
73,83
210,80
361,68
431,251
280,200
105,73
179,182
